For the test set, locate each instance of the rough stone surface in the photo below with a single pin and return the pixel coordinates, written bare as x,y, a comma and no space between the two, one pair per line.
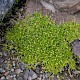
22,66
48,6
76,47
70,6
30,75
5,5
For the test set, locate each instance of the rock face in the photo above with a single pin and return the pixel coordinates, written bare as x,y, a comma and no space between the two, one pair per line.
70,6
76,47
5,5
48,6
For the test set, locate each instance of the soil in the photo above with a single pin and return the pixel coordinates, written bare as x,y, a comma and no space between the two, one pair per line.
30,7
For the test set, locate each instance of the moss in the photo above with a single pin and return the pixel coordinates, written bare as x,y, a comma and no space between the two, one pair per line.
37,39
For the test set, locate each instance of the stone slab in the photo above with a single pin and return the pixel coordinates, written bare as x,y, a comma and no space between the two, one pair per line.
70,6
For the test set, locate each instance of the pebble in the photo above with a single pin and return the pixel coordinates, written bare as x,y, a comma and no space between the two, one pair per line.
4,54
38,69
6,73
48,6
12,69
44,76
3,78
5,66
14,77
1,60
22,66
30,74
8,77
14,63
18,71
0,53
2,70
75,72
20,78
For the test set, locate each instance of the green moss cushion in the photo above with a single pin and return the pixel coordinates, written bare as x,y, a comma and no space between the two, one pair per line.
40,40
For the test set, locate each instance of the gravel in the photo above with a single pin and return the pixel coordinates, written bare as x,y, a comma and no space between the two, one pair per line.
5,5
12,69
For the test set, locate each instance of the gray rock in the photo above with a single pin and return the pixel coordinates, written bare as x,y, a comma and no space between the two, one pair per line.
30,75
12,69
3,78
4,54
76,47
1,53
8,77
14,77
2,70
20,78
75,72
48,6
14,64
70,6
22,66
44,76
5,5
1,60
11,73
18,71
52,1
38,69
5,65
49,1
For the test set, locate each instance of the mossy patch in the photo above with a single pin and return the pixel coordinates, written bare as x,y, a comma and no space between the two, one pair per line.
38,39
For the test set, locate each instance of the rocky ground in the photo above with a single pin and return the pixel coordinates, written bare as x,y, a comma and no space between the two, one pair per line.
12,69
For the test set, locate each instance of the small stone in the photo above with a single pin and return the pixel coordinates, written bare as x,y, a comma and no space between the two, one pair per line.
75,72
14,77
1,60
11,76
12,69
6,73
20,78
5,65
2,70
38,69
18,71
8,77
11,73
14,63
57,76
22,66
13,51
30,74
0,53
4,54
48,6
2,78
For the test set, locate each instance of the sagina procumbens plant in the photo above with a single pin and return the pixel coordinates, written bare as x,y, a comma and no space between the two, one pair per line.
37,39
